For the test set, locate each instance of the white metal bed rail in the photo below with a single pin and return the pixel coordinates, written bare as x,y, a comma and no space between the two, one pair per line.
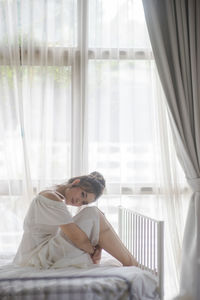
144,238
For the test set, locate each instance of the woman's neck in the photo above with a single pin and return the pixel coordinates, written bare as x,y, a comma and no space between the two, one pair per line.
60,190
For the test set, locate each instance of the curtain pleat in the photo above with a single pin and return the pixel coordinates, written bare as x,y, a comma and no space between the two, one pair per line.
175,40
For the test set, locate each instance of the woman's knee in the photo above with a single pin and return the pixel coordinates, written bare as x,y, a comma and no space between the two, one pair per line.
88,220
90,210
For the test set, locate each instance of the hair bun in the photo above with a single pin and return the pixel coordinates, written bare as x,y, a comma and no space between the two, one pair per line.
98,177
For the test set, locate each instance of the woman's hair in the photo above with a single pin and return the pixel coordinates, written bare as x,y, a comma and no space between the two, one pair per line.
92,183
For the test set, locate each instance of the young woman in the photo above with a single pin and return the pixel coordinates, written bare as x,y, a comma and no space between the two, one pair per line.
54,239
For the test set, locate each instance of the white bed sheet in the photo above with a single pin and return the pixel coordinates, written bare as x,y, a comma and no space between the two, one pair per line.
102,282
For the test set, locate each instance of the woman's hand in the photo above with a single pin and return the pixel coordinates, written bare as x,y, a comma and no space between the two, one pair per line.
96,256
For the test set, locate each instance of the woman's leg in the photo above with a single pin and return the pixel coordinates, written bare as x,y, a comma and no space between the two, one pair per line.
110,242
93,222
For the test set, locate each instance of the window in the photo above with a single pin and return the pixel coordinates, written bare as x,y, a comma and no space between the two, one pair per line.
124,93
120,95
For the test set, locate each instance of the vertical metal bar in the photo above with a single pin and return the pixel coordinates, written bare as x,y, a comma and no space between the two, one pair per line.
126,229
160,260
124,237
139,239
148,243
122,230
145,243
136,237
141,242
134,245
120,222
151,245
124,226
132,232
154,248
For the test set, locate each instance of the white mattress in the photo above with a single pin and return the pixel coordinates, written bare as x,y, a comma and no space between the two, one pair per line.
105,281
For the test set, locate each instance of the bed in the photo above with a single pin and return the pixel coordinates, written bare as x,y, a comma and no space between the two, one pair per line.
110,281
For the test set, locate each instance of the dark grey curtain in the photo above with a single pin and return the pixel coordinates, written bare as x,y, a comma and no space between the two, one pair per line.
174,29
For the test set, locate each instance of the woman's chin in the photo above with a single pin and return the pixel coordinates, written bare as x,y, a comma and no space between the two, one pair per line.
71,204
68,202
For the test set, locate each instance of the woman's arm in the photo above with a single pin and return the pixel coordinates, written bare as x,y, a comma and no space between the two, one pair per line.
71,230
78,237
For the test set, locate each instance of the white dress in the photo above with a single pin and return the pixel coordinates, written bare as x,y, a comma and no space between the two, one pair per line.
44,245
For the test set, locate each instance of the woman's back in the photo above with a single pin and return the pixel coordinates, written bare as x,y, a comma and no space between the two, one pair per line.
41,224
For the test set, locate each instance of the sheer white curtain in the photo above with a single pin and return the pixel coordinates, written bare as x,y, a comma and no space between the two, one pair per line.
39,59
128,132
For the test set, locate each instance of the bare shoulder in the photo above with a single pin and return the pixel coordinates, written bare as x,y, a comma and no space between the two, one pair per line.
51,195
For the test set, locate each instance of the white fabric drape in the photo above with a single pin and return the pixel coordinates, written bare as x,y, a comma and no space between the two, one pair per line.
173,28
129,137
40,91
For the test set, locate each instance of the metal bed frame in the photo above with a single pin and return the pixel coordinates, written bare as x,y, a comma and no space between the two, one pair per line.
144,237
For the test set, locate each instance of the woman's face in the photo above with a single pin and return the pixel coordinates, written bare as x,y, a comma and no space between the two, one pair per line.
76,196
